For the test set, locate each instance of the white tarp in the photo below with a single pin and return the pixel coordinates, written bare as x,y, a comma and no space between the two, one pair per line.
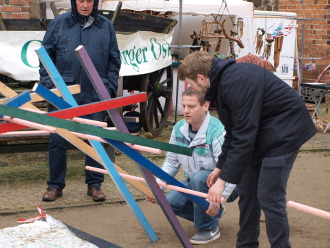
41,234
141,53
205,7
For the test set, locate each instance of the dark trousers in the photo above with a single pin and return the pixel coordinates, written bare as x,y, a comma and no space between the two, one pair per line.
263,187
57,159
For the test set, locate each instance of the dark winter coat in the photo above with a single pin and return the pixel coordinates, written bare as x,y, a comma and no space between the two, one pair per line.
263,116
65,33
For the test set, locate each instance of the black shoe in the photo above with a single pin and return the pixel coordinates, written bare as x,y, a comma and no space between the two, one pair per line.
51,194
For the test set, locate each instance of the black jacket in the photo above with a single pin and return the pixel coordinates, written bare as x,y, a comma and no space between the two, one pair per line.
262,115
64,34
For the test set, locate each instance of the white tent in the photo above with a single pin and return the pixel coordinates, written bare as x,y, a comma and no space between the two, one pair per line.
193,12
190,15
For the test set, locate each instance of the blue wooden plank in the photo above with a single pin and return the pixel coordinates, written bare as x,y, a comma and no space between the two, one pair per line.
158,172
18,100
51,97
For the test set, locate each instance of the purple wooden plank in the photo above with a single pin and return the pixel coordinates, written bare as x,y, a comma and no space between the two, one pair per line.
100,88
166,207
120,125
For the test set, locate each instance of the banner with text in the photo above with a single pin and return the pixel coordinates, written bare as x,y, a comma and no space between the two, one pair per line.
141,53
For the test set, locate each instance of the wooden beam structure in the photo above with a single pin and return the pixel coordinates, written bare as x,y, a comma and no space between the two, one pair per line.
120,125
24,97
67,96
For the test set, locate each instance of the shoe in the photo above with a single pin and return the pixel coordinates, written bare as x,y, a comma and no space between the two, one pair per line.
223,210
205,237
96,193
51,194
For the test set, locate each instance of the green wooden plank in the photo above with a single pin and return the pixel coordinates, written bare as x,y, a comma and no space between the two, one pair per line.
87,129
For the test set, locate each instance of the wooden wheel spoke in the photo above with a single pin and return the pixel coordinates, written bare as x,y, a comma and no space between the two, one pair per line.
160,108
150,106
156,115
165,81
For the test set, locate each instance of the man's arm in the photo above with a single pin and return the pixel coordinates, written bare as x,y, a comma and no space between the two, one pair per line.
171,164
114,63
49,43
245,103
217,145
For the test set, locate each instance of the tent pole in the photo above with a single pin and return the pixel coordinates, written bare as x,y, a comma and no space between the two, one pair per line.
179,59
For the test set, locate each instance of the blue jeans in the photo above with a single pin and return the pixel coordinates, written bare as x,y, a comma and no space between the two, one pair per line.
185,208
57,159
263,187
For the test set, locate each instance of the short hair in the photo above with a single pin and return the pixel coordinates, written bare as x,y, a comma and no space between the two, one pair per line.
191,92
199,62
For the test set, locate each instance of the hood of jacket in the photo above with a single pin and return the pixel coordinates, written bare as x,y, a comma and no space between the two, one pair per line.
78,17
218,66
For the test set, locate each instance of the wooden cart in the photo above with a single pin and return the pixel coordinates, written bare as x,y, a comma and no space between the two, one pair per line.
154,113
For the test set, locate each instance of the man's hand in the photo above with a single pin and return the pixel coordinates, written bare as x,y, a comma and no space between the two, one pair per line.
213,209
213,177
215,192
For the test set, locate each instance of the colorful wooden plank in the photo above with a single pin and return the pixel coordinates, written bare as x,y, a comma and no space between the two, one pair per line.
58,81
120,125
74,89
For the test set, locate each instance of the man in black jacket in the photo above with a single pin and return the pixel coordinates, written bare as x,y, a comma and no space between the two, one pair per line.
266,123
81,26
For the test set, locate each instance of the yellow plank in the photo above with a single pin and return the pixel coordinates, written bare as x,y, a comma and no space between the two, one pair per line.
74,89
87,149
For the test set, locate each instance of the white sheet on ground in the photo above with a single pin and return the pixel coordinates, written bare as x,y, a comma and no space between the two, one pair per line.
41,234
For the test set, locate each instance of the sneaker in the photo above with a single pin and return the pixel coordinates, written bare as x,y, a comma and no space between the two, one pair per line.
51,194
223,210
96,193
205,237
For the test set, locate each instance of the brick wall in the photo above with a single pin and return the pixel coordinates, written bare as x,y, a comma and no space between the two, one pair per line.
15,9
316,33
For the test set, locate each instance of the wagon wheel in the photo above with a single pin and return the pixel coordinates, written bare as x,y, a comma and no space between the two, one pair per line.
155,111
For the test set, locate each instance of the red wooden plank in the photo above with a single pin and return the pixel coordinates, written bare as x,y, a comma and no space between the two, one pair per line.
83,110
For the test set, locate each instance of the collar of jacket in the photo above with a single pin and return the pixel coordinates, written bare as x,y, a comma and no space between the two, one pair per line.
218,66
200,137
70,21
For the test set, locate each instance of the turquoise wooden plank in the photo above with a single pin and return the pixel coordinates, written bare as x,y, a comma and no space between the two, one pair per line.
54,74
62,87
